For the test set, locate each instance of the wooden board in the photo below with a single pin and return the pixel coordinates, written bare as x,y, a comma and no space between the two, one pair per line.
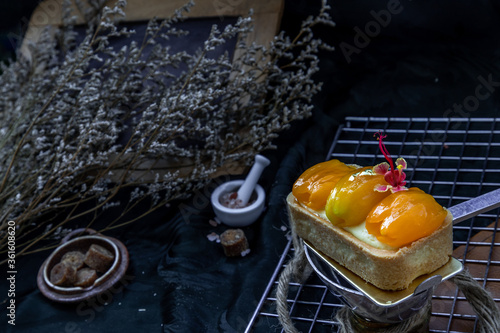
266,15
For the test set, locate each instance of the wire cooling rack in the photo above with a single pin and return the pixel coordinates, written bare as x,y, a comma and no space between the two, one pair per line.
454,159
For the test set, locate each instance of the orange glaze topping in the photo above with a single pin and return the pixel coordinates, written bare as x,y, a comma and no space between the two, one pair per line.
313,187
404,217
394,214
353,197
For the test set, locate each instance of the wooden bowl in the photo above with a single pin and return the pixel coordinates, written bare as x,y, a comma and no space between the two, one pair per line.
82,244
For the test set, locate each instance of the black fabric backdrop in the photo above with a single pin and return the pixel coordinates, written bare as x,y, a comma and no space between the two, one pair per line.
424,59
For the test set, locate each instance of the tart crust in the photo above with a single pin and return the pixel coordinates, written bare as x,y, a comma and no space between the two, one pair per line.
385,269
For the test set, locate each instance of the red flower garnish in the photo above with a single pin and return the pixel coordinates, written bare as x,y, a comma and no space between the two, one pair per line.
393,175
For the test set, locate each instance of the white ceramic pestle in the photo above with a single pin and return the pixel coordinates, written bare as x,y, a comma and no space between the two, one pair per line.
246,190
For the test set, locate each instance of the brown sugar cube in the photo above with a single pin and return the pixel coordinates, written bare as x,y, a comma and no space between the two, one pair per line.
99,258
73,258
85,277
234,242
62,275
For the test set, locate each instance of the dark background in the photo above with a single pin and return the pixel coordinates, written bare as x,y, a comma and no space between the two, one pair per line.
425,62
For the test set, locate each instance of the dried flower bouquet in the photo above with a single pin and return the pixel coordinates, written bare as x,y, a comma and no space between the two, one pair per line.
81,121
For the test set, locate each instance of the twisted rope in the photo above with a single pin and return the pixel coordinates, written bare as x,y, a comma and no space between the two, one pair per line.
298,268
481,301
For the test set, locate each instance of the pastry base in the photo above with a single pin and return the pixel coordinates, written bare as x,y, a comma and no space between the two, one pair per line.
385,269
